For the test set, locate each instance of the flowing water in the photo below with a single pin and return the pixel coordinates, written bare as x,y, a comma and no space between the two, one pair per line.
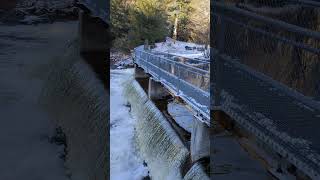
79,101
196,172
125,161
26,130
156,140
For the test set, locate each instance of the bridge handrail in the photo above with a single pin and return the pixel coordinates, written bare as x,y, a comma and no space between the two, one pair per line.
200,71
275,23
194,59
194,90
254,98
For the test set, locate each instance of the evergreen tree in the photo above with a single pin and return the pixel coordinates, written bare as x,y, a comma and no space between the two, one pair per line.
185,10
134,21
119,16
120,24
149,22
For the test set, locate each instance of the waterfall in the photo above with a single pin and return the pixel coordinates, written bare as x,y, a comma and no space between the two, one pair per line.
156,140
196,172
78,101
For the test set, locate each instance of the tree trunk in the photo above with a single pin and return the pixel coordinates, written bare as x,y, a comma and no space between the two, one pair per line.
175,29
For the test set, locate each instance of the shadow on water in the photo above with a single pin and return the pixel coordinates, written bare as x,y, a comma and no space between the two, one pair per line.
75,95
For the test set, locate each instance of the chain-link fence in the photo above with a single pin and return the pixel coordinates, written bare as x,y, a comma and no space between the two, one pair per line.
267,73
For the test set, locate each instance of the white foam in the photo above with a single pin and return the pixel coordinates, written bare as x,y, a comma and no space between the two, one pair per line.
124,160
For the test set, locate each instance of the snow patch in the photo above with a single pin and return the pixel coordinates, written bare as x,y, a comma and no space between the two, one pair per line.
178,48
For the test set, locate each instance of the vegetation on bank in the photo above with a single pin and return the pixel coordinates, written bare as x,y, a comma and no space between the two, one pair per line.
135,21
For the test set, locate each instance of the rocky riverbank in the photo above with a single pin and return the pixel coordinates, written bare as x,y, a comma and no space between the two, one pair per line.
37,11
119,60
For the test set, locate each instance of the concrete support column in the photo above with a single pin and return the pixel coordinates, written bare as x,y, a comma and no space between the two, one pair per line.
139,73
156,90
94,43
94,34
200,141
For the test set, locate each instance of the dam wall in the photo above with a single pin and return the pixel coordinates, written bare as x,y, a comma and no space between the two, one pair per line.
157,141
78,101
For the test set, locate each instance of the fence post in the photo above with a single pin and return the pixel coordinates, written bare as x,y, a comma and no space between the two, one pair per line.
159,69
216,77
179,79
218,60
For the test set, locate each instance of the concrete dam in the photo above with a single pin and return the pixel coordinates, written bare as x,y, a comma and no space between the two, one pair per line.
76,94
170,151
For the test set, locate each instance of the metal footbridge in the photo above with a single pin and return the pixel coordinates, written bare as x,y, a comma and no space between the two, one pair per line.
282,118
245,43
184,80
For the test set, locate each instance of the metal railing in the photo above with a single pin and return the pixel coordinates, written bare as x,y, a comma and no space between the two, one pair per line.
188,82
256,59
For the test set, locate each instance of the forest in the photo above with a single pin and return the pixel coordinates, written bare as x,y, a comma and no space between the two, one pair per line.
137,21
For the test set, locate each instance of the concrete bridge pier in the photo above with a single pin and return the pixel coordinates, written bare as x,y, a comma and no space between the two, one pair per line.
156,91
95,41
200,141
94,33
141,77
139,73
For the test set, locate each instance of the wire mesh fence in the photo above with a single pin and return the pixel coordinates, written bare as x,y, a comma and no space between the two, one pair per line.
279,38
267,73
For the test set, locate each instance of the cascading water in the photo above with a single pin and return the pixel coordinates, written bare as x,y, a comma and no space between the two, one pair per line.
196,172
156,140
79,102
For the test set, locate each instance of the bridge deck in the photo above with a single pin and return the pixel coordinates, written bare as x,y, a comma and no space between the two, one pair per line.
279,119
188,82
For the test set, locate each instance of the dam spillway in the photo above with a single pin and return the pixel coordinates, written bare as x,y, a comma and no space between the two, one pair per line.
77,99
157,141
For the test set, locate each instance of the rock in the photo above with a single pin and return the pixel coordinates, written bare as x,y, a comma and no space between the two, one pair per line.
146,178
200,49
188,48
25,11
